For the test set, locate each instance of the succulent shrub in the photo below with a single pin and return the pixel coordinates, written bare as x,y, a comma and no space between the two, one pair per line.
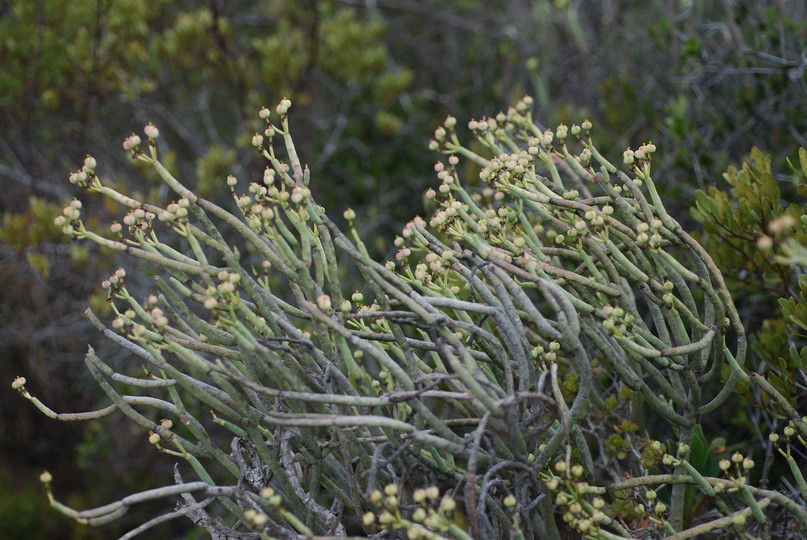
538,357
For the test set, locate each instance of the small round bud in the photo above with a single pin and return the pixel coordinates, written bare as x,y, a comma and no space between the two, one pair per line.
368,519
765,243
448,504
18,383
151,131
264,113
45,477
349,214
324,303
257,140
154,438
283,107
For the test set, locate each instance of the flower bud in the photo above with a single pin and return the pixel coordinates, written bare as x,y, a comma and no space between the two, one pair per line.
324,303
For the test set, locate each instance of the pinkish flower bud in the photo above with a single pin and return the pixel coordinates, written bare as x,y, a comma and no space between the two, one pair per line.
264,113
132,142
151,131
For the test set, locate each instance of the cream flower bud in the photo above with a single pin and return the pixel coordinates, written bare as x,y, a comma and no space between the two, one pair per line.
324,303
151,131
18,383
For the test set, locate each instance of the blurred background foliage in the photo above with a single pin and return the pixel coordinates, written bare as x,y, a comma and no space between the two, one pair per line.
370,79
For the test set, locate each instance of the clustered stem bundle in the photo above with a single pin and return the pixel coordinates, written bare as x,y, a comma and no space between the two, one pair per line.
478,360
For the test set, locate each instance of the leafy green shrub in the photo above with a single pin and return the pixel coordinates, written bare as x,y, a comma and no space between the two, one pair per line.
538,358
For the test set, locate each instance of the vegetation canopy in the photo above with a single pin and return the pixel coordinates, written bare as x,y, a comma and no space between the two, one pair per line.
539,357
